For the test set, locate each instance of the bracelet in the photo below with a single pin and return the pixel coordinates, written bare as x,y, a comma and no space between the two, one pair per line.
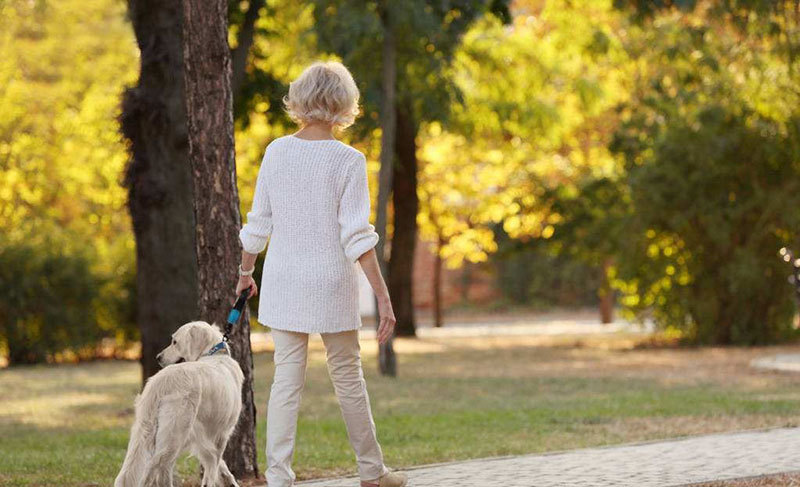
243,273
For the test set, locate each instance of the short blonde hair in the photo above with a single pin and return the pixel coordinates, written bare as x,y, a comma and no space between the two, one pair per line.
324,92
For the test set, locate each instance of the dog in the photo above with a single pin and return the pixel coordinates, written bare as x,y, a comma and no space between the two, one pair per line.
192,404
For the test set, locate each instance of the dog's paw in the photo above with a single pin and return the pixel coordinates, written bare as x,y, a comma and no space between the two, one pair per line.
226,481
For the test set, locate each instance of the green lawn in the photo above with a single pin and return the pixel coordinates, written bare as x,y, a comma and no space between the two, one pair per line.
455,399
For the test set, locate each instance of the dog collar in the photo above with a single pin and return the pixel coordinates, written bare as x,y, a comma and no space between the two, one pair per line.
216,348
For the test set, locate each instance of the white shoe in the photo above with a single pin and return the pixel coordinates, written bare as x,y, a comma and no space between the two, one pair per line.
391,479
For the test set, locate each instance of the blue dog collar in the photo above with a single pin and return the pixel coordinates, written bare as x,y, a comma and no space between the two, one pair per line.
216,348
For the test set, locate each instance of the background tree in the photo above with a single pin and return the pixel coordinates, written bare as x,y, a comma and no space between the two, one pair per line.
244,27
591,229
426,34
258,28
514,151
455,181
387,362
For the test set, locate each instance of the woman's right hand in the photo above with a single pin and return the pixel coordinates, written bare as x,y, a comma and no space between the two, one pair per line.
246,282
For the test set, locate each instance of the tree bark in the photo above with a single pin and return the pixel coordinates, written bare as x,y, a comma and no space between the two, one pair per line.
406,205
606,295
387,362
159,179
244,40
438,319
209,109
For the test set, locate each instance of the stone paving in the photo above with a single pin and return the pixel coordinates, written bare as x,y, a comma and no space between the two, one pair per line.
676,462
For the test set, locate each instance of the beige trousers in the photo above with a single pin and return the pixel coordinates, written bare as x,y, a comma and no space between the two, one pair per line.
344,367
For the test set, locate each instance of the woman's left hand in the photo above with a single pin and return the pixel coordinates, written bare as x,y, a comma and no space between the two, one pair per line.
387,320
246,282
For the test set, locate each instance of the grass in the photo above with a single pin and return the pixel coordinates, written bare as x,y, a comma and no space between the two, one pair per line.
455,399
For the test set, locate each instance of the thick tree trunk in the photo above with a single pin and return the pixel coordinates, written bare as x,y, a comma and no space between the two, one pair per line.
406,206
387,362
209,109
159,179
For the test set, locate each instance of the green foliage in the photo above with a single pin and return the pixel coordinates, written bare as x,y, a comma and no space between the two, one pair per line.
659,136
62,68
281,46
711,158
593,216
713,198
532,273
538,96
62,210
47,303
427,35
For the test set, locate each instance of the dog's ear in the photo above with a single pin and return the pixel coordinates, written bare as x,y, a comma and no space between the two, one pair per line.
216,327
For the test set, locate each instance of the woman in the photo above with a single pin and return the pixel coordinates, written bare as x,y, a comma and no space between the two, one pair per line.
312,201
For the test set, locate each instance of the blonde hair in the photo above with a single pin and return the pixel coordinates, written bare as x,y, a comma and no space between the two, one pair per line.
324,92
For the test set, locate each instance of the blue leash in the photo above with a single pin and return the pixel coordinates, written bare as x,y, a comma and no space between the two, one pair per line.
233,318
236,313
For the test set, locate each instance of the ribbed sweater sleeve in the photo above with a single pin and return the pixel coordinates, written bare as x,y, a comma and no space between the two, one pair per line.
256,231
357,234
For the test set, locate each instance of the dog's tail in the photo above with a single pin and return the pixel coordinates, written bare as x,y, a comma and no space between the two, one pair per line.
143,440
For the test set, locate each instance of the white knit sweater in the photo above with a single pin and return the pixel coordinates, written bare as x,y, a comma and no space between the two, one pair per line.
312,203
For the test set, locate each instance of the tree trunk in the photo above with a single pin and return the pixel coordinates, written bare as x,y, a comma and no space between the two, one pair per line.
159,179
606,295
209,109
387,362
438,320
406,205
244,40
466,282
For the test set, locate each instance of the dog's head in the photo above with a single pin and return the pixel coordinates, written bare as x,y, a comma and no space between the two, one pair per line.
189,343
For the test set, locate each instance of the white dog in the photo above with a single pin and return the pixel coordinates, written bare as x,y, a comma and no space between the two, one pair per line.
192,404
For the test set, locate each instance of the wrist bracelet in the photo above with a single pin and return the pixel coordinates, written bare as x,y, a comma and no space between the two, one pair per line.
243,273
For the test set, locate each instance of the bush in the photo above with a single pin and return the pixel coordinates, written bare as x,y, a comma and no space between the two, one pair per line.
533,273
714,199
48,303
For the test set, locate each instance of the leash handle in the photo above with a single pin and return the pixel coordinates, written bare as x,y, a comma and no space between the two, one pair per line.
236,312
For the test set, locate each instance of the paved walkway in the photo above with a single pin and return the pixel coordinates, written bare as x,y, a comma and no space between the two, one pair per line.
787,362
659,464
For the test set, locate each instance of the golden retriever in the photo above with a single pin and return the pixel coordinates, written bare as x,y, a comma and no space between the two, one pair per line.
192,404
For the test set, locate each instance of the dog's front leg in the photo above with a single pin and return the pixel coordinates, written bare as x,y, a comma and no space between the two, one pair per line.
228,480
210,458
225,475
